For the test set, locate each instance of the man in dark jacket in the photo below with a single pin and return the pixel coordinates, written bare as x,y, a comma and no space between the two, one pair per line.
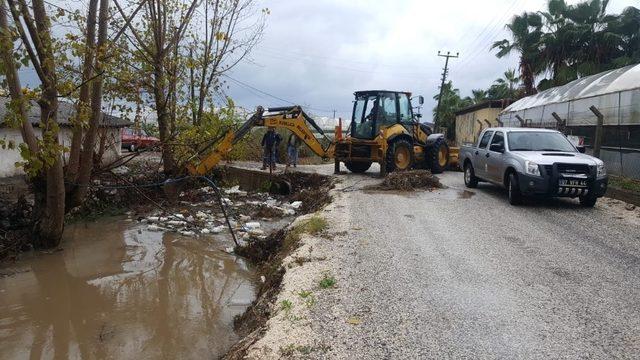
270,141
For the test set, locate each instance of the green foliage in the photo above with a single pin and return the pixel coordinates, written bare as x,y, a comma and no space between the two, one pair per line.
286,306
450,103
327,281
571,41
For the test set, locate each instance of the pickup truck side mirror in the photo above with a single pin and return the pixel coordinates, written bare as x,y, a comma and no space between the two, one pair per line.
498,147
581,149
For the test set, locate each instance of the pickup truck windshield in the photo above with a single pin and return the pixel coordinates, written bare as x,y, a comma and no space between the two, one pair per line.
538,141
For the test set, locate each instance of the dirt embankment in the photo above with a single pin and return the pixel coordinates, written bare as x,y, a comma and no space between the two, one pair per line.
268,255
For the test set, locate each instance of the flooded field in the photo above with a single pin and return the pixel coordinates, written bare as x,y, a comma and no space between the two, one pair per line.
119,291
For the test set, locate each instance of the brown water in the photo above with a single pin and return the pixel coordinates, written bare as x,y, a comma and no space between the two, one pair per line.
117,291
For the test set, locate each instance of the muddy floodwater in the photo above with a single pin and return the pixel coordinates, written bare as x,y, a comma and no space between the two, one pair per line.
118,291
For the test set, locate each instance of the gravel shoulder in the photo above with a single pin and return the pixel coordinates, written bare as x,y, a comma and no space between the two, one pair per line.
452,273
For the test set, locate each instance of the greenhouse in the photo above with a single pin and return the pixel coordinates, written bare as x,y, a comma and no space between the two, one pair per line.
615,94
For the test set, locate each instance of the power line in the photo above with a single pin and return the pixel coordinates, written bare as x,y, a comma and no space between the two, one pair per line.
271,95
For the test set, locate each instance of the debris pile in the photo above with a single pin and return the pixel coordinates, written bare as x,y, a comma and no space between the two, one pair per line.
199,213
410,180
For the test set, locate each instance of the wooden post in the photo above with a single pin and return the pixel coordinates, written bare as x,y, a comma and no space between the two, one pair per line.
560,124
522,122
479,131
597,141
488,123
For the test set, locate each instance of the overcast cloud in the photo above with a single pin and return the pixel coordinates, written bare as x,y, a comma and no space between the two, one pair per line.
317,53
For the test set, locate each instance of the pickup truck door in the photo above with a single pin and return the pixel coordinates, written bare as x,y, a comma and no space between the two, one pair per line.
495,157
479,155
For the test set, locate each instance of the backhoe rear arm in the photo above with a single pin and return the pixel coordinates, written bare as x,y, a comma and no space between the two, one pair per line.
291,118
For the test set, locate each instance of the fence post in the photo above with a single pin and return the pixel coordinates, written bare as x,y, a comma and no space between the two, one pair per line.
488,123
479,131
597,141
522,122
560,124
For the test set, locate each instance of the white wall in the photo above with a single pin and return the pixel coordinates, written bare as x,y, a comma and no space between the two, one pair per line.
8,158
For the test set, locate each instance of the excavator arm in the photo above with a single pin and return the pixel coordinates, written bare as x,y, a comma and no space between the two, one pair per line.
292,118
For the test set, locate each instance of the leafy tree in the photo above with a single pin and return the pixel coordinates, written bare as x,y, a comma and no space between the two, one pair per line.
450,103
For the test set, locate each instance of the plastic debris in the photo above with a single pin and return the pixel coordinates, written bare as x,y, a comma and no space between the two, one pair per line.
154,228
252,225
218,229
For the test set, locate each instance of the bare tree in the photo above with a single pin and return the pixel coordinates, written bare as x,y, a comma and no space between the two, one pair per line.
231,31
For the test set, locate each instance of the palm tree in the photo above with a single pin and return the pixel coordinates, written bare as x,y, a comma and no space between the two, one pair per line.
478,96
526,32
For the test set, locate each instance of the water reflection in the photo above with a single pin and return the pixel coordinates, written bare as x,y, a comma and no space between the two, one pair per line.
117,291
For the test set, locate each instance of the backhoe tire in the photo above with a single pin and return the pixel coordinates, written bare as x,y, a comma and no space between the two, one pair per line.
399,156
358,167
438,156
470,179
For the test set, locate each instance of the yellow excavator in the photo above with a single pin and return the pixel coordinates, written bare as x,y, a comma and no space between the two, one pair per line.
383,129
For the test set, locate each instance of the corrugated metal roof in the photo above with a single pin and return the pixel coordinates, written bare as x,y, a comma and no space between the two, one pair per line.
626,78
65,112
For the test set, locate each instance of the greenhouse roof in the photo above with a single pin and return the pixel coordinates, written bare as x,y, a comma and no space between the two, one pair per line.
612,81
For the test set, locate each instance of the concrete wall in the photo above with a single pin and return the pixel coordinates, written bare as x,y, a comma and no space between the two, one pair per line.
467,128
8,158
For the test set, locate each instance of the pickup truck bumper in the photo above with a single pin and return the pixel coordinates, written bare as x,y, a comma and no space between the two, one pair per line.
547,185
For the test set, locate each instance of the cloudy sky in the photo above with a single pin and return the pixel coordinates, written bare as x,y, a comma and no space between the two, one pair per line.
317,53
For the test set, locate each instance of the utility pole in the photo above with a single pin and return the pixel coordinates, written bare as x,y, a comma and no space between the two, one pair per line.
334,114
444,78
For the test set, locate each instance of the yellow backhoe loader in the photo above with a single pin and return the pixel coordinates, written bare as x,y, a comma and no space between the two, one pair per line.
383,129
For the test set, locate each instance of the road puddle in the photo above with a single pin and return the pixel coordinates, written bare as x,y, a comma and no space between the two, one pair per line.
119,291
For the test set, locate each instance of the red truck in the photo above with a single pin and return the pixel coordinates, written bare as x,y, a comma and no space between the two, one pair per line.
133,140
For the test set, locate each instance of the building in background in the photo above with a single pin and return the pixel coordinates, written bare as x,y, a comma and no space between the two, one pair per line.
471,120
615,93
108,142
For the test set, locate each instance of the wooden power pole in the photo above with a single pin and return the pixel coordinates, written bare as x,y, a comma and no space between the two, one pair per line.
444,78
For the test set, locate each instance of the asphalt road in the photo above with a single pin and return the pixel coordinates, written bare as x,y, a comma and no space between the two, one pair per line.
453,274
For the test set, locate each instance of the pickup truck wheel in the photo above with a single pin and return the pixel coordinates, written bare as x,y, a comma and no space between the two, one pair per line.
438,156
470,179
513,189
588,201
358,166
399,156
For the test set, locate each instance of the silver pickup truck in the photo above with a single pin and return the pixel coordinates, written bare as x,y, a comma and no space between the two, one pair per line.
528,161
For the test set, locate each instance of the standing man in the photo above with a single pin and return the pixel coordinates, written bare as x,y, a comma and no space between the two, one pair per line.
292,150
270,141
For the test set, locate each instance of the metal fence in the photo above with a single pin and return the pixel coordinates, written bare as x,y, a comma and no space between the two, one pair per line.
620,112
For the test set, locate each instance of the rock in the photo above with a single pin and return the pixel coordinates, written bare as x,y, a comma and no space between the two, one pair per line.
154,228
175,223
229,250
218,229
245,218
190,219
205,231
121,170
201,215
295,205
178,215
252,225
263,279
256,232
187,233
630,207
153,218
288,211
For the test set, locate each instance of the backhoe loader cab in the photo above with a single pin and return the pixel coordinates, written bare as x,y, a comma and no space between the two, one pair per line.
385,130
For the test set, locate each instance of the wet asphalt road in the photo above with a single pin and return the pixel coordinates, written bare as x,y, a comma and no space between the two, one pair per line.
450,274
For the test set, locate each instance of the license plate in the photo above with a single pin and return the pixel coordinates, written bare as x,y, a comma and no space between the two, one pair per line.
573,183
